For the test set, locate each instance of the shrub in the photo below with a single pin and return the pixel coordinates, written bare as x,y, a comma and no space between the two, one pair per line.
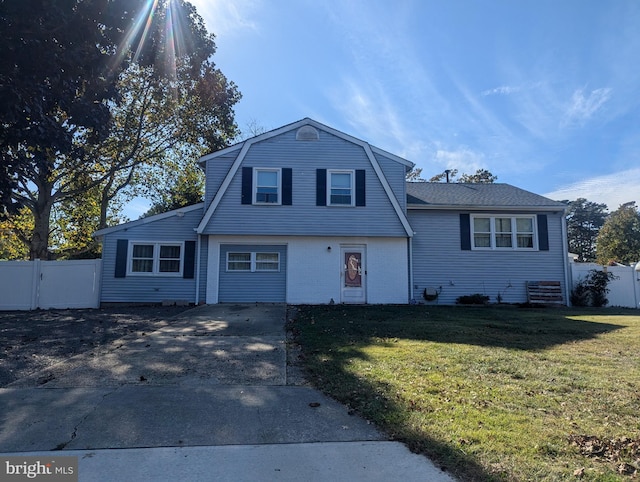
475,299
580,294
592,290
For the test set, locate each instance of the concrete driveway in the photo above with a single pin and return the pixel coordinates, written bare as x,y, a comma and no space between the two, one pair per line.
229,344
213,384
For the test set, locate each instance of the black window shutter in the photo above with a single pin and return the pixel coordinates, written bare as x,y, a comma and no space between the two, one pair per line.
189,259
361,197
247,185
287,186
121,258
321,187
465,232
543,233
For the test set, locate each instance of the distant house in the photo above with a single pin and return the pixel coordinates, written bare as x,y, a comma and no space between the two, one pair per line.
308,214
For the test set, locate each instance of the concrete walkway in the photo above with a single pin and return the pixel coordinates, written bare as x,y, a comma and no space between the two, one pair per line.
208,397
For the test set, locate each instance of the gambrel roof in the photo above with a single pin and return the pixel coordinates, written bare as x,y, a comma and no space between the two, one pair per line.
246,145
296,125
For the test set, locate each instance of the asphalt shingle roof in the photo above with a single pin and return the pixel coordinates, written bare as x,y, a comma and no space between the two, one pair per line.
438,194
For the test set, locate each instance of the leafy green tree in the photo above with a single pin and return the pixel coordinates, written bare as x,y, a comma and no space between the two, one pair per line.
73,223
619,237
14,235
160,127
584,221
182,188
59,63
156,110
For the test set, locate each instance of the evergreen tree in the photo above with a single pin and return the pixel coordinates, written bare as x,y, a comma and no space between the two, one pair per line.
619,238
584,221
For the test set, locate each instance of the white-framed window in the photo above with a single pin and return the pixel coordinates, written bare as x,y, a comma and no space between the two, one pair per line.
503,232
525,232
142,258
267,186
267,261
238,261
156,259
340,188
253,262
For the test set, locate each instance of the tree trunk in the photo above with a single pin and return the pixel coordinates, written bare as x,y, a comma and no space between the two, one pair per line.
39,244
106,196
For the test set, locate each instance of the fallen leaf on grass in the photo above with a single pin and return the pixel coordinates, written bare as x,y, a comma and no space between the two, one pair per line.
627,469
612,449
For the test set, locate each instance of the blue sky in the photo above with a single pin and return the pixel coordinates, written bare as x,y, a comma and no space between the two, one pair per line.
544,94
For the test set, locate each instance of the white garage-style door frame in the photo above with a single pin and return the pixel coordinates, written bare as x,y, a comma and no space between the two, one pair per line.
312,269
252,273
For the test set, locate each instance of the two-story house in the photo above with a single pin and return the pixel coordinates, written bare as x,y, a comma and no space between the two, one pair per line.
308,214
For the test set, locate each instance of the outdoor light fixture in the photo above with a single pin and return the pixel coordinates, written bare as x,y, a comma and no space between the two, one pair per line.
329,248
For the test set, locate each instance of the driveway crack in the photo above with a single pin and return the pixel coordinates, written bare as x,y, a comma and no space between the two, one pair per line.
74,434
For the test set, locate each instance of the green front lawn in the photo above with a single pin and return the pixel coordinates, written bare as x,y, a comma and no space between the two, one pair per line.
489,393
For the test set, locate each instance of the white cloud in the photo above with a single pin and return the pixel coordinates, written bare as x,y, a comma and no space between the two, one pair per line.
360,108
372,114
613,189
503,90
512,89
583,107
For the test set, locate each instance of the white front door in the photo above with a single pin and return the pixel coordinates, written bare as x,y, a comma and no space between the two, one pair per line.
353,274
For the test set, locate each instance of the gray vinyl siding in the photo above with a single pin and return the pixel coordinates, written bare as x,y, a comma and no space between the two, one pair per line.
216,170
377,218
439,262
247,287
149,289
396,175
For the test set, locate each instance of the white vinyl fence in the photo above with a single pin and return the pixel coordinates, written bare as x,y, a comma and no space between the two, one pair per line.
27,285
624,289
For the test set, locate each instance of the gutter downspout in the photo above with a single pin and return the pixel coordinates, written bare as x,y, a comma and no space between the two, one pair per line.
410,244
565,255
635,278
198,243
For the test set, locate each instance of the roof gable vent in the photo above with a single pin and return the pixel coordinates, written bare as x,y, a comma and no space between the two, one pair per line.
307,133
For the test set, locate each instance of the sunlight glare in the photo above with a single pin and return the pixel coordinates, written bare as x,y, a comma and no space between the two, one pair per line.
151,11
170,50
144,23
